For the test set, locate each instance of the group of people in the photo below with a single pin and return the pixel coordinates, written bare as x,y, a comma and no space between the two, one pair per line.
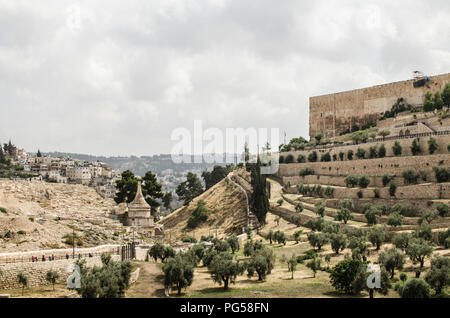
36,259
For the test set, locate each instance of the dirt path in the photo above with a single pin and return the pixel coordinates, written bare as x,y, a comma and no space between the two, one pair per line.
149,284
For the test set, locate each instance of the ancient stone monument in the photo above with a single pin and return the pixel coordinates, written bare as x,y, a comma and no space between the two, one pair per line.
139,215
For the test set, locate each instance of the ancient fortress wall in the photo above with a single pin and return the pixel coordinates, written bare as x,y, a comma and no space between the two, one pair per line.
334,113
37,272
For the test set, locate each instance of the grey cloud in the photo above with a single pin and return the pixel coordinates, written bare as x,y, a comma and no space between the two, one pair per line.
118,78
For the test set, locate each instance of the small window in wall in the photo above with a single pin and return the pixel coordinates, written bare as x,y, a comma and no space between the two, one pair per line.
321,115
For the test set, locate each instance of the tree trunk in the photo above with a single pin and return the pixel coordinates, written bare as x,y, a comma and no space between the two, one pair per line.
23,287
179,290
225,284
53,287
392,273
371,293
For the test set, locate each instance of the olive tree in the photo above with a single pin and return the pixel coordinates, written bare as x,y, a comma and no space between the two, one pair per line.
178,273
314,265
262,263
414,288
338,242
52,276
418,249
377,236
439,275
317,239
224,270
392,259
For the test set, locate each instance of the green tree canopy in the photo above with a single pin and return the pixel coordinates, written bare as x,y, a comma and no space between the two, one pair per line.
190,188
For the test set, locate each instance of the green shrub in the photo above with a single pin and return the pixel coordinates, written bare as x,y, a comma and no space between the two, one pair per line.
364,181
439,275
306,172
326,157
341,155
188,239
199,215
301,159
360,194
382,151
360,153
344,274
373,152
329,191
444,238
289,159
335,157
432,145
376,193
395,219
281,159
443,209
392,188
351,180
312,157
401,208
350,155
415,147
414,288
397,149
320,209
442,174
386,179
280,202
3,210
377,236
371,215
296,219
410,176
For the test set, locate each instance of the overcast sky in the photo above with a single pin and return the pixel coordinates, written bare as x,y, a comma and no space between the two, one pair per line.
111,77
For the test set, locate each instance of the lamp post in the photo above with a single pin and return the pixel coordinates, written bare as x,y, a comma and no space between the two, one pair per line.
73,241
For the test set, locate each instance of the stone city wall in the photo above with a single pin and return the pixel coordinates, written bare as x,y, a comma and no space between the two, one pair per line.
332,114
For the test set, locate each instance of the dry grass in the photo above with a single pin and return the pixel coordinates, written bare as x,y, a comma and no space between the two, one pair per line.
39,292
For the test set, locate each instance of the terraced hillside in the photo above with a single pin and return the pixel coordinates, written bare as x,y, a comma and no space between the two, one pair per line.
416,183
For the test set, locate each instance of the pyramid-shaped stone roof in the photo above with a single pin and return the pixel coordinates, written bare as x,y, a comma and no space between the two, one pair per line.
139,200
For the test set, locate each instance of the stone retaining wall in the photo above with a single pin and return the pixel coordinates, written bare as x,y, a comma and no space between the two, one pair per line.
37,271
372,167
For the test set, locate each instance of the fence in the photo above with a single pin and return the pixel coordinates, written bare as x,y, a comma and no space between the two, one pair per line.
47,257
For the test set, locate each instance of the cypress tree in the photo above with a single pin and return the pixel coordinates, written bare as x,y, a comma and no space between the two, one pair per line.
259,202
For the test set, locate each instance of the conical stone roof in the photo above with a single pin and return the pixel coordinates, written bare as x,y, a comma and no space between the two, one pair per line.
139,201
